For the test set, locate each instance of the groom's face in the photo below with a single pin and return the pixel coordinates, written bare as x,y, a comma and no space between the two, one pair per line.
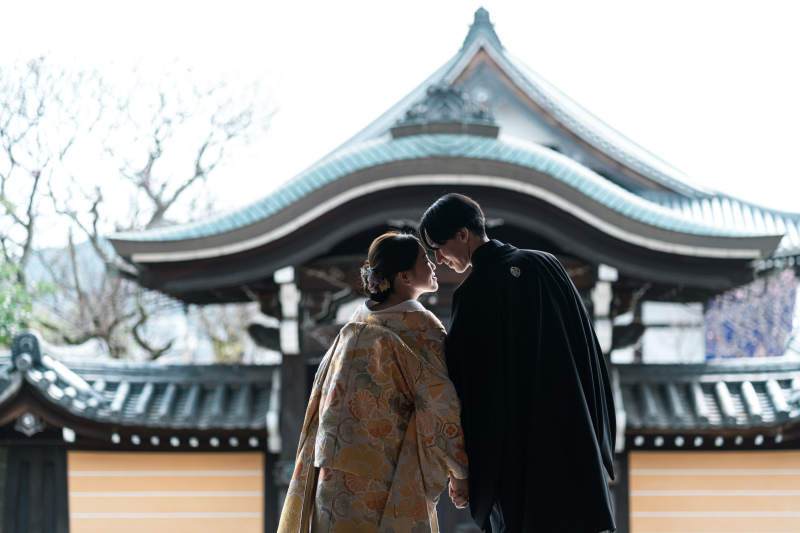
454,252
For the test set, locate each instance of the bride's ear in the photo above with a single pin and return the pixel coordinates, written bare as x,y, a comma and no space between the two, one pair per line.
404,278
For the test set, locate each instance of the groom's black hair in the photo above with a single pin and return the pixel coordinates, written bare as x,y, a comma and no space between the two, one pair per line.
449,214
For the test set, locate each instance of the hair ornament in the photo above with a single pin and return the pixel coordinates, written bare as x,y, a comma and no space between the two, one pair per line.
375,281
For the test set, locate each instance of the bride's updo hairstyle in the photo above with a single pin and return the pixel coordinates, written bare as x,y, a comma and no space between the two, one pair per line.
389,254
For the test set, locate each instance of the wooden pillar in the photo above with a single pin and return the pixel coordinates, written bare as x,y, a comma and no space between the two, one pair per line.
294,394
620,493
36,491
638,354
272,507
602,297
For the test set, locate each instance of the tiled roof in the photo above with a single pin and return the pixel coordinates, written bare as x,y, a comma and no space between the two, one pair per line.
706,205
382,151
696,397
223,397
597,133
574,116
720,210
691,209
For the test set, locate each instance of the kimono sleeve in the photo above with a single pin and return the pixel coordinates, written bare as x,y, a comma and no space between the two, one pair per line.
438,422
296,507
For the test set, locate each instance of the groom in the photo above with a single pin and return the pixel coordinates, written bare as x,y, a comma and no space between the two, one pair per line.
537,410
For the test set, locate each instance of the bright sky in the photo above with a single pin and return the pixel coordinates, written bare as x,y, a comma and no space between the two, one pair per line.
709,86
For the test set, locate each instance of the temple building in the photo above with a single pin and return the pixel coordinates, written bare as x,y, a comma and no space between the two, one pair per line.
708,433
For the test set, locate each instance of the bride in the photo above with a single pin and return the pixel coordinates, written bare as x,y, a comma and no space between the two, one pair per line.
382,432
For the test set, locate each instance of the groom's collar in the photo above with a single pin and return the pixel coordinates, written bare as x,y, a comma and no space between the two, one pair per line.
485,253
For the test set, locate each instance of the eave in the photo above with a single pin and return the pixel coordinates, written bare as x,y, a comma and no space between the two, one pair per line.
668,223
326,186
671,405
98,400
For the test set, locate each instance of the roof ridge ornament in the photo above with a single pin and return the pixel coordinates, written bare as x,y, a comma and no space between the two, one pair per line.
482,26
447,109
25,351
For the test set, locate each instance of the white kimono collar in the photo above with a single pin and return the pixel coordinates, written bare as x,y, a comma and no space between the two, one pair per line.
408,305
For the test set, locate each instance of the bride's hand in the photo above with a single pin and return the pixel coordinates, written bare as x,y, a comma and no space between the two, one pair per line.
459,492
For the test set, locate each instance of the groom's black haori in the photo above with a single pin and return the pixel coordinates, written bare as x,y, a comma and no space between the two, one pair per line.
537,407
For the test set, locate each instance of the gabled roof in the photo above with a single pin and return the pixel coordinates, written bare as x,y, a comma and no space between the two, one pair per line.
482,37
182,399
674,204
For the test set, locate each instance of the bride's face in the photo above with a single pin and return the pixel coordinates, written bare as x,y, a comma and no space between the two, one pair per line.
423,276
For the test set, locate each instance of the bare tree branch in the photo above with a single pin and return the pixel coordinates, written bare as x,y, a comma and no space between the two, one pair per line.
159,140
155,353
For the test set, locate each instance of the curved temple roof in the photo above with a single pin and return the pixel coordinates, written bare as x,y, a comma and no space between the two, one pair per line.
378,152
683,207
382,151
724,211
482,37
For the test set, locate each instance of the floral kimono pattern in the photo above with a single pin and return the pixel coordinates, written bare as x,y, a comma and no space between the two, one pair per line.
382,431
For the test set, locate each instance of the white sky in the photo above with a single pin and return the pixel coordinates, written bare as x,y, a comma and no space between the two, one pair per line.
709,86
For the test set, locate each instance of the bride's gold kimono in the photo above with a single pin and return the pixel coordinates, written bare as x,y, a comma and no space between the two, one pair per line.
382,428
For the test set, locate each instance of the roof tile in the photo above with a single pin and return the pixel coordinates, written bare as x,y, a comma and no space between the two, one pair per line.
152,395
708,216
674,397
